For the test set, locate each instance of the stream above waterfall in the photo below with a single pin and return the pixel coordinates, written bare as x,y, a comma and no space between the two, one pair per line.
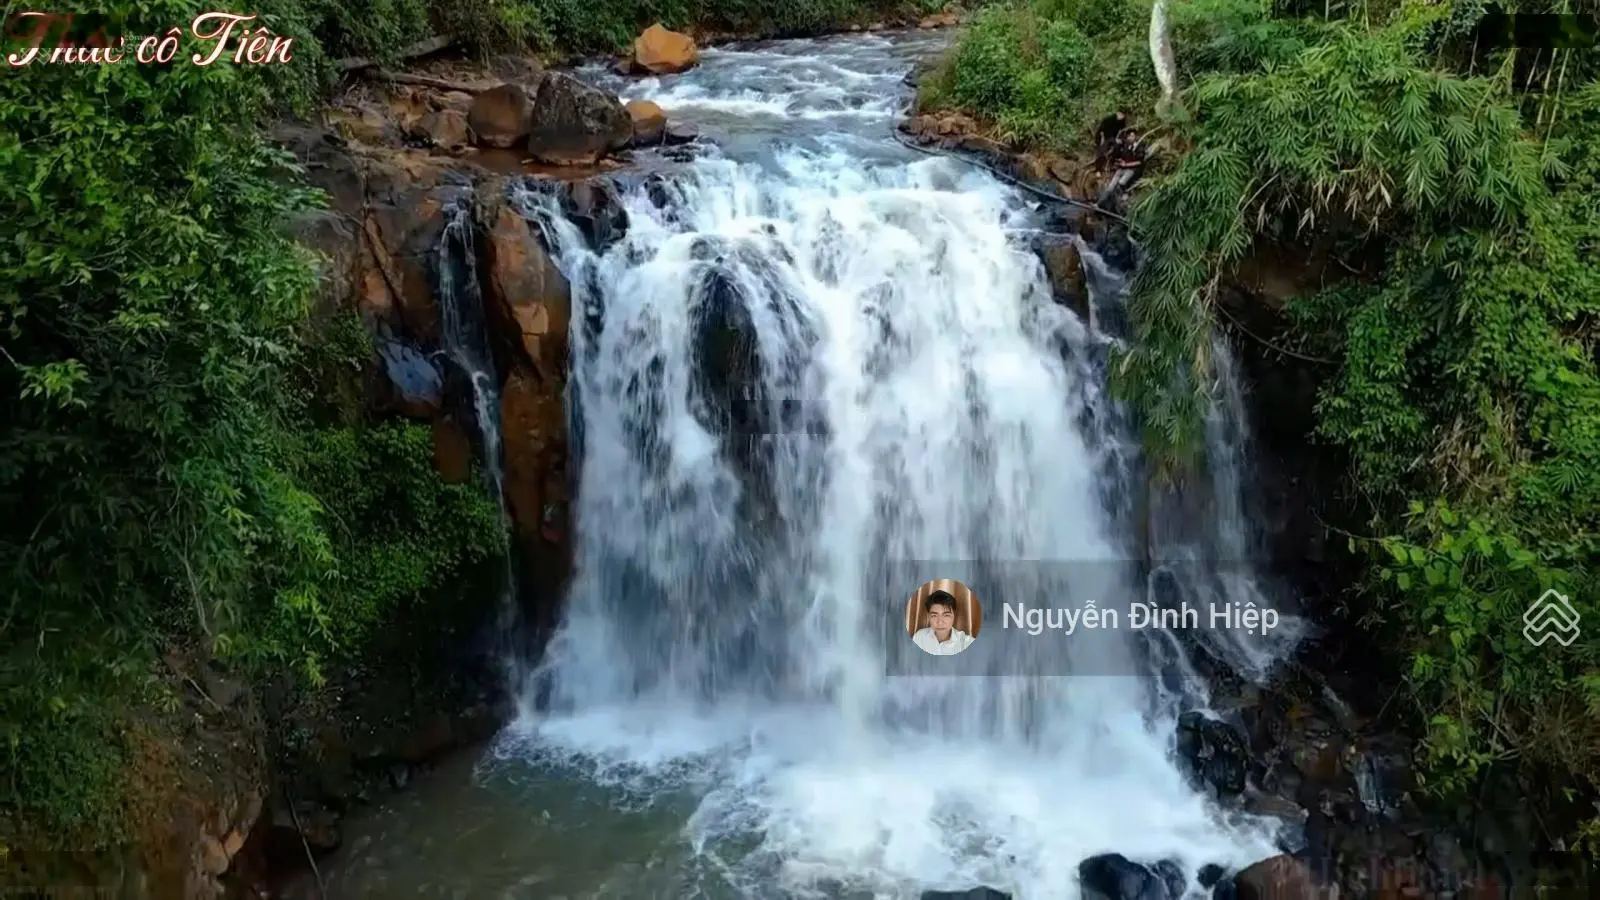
816,370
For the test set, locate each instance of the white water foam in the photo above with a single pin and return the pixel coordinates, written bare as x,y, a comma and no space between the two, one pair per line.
916,361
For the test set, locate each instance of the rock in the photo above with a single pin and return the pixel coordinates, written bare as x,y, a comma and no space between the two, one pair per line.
649,122
1280,878
595,208
1211,874
366,124
427,742
516,69
625,66
232,844
1214,753
501,116
416,385
1112,876
534,421
977,893
452,451
575,124
945,19
1064,268
445,128
680,133
527,299
457,100
660,51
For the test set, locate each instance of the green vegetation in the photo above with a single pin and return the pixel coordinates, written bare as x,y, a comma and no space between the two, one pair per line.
1044,72
1464,180
377,28
171,471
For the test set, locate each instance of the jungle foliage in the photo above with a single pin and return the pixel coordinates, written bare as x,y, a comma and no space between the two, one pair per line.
171,475
1463,180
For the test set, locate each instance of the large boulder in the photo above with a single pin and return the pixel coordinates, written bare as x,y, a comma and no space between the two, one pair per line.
574,123
649,122
661,51
501,116
527,299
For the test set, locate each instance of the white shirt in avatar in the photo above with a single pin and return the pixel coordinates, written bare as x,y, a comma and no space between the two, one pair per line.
959,640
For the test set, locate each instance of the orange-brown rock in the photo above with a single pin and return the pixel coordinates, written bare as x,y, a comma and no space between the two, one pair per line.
501,116
661,51
534,423
649,122
365,124
452,451
446,128
1281,878
526,297
945,19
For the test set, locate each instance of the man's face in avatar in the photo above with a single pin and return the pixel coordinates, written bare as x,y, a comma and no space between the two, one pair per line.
941,618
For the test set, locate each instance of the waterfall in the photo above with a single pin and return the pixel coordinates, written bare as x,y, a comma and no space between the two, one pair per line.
465,341
804,389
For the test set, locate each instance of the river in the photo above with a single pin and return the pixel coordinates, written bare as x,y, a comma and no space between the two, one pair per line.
724,712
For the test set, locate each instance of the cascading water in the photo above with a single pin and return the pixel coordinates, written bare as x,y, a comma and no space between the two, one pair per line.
807,378
897,403
464,336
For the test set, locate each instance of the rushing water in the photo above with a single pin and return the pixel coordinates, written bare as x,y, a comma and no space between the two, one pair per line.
728,709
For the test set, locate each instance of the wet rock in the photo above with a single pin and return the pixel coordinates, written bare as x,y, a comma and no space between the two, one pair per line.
527,300
946,19
501,116
1211,875
597,211
574,123
680,133
452,451
533,417
661,51
1064,269
649,122
1279,878
1213,753
1112,876
417,388
977,893
446,129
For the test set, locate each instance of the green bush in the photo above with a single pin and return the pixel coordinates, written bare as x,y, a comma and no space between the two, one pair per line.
1045,71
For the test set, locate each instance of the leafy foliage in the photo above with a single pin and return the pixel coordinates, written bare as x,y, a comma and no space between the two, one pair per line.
161,480
1044,71
1464,177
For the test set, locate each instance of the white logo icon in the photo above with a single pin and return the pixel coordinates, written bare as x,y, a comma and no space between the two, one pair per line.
1551,617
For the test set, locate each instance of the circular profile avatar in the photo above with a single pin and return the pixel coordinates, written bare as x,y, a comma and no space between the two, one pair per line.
943,617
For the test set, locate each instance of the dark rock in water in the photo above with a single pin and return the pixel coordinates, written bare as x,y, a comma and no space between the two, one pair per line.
679,133
1171,875
1214,753
594,207
574,123
1211,874
1112,876
977,893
